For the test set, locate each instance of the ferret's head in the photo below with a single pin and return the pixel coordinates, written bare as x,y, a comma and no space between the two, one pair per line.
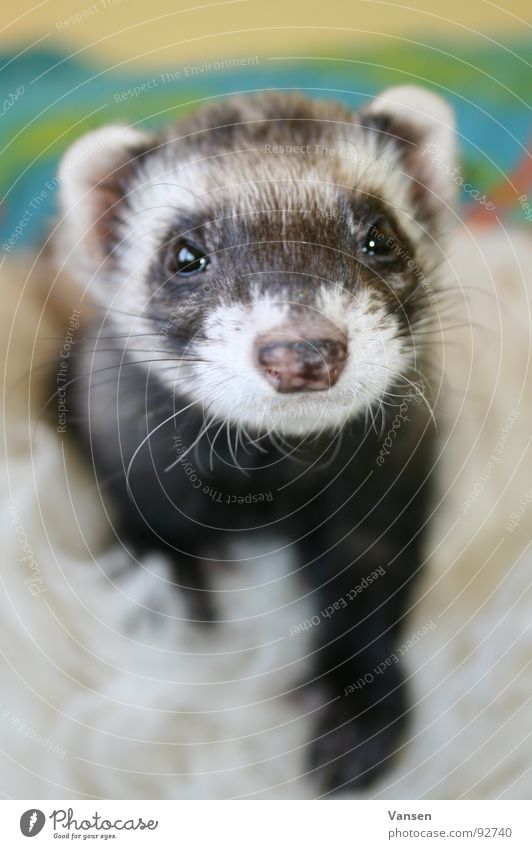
276,255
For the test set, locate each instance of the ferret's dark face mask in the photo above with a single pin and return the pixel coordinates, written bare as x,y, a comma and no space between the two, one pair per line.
280,255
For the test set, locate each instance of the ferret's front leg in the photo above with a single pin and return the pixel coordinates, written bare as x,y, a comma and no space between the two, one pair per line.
361,607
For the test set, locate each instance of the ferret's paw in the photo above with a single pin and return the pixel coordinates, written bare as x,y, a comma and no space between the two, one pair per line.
349,754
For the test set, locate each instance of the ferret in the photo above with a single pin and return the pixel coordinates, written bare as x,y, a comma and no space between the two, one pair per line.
265,275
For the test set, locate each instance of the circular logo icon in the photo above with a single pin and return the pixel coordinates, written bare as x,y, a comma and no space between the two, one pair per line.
32,822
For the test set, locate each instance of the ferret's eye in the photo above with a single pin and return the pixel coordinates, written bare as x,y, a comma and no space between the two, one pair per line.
187,259
381,241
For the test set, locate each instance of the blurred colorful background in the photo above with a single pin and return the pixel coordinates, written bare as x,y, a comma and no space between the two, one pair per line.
67,66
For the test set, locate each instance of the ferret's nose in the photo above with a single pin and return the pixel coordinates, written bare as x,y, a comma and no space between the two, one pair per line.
290,364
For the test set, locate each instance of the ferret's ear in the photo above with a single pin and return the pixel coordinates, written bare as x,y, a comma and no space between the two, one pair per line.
421,125
93,176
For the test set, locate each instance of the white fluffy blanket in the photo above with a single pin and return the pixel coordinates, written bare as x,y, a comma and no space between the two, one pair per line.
108,691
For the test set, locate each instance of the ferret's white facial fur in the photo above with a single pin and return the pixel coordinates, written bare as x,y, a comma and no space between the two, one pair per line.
233,388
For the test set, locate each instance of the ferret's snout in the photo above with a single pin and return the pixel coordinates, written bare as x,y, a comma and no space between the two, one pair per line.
293,364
